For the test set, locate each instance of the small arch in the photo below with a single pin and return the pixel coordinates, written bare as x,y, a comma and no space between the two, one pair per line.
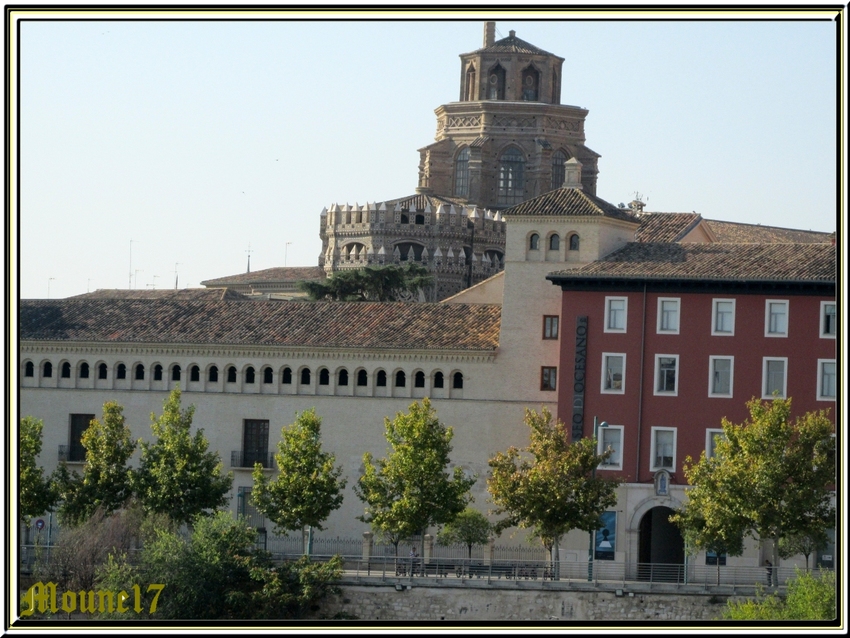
554,242
381,379
342,377
305,376
84,370
471,84
400,379
496,83
66,370
29,369
231,374
462,173
324,377
121,371
534,242
362,378
212,374
419,379
157,372
250,375
286,376
195,373
268,375
457,381
47,370
175,372
530,84
139,372
574,241
439,380
102,371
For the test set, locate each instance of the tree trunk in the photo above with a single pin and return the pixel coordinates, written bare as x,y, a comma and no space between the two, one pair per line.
556,560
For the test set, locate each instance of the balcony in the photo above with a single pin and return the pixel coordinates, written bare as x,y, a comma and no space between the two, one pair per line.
72,453
247,459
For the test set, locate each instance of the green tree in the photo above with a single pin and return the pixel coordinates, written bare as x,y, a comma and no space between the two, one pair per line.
550,487
469,528
372,283
770,478
106,481
809,597
410,489
36,491
804,543
308,487
177,474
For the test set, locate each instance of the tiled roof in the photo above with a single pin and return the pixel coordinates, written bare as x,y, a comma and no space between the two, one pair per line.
302,273
420,201
718,262
734,232
195,294
665,227
572,202
470,327
512,44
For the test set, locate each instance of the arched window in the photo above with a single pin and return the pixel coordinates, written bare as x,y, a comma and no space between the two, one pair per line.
231,374
175,373
554,242
419,380
574,240
29,369
212,374
66,370
462,173
438,380
559,159
534,242
157,372
362,378
101,371
140,372
305,376
457,381
342,377
194,373
381,380
84,370
286,377
400,379
471,85
121,371
496,83
47,370
268,375
419,219
324,377
249,374
530,84
511,177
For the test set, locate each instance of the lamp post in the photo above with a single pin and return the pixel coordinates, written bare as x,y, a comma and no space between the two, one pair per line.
596,426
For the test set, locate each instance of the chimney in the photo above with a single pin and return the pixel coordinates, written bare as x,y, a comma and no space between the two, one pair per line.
489,34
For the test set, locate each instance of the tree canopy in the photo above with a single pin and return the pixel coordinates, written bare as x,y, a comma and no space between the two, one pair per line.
36,494
770,478
372,283
469,528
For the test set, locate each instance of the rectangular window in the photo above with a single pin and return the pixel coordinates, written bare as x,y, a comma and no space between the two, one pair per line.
720,374
774,377
666,374
711,438
548,378
723,317
611,437
255,443
615,314
827,319
550,327
826,379
776,318
613,373
663,449
79,424
668,315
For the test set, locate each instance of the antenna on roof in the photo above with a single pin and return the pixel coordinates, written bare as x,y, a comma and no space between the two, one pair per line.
176,263
249,251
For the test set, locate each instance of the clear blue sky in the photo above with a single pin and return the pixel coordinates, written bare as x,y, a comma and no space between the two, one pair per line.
196,140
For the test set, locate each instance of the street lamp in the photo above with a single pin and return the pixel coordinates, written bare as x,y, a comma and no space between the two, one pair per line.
596,426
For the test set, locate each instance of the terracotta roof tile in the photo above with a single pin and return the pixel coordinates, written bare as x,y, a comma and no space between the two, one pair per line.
569,202
470,327
196,294
512,44
303,273
734,232
665,227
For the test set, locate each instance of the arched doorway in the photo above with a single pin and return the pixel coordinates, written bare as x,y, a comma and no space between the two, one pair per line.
661,548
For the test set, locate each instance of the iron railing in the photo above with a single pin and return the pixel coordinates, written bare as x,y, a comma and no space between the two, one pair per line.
239,458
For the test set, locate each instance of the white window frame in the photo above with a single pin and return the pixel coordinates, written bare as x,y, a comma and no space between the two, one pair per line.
602,387
767,304
665,393
714,330
711,360
710,433
784,393
820,396
608,301
669,331
823,305
600,449
654,434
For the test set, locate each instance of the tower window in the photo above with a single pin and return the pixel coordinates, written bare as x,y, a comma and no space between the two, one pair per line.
462,173
249,375
212,375
175,373
29,369
457,381
194,373
66,370
574,242
140,372
47,371
342,377
231,374
530,84
419,380
362,378
438,380
400,379
559,174
471,87
286,378
381,380
268,375
511,178
534,242
324,377
157,372
554,242
496,84
84,370
101,371
121,371
305,376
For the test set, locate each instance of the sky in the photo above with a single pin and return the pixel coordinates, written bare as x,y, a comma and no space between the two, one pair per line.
155,153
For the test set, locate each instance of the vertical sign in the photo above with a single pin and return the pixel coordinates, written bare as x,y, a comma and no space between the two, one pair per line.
606,536
579,378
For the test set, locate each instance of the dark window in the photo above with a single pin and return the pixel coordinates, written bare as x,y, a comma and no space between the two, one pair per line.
101,371
268,375
400,379
511,178
47,370
381,381
140,371
471,87
29,369
79,424
419,380
462,173
457,381
249,375
534,242
554,242
194,373
362,378
548,378
574,240
324,377
66,370
255,442
419,220
212,374
121,371
438,380
305,376
558,170
157,372
175,373
530,82
231,374
342,377
404,218
84,370
550,327
287,376
496,84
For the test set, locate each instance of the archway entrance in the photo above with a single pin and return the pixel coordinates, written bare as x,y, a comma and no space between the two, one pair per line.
661,548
